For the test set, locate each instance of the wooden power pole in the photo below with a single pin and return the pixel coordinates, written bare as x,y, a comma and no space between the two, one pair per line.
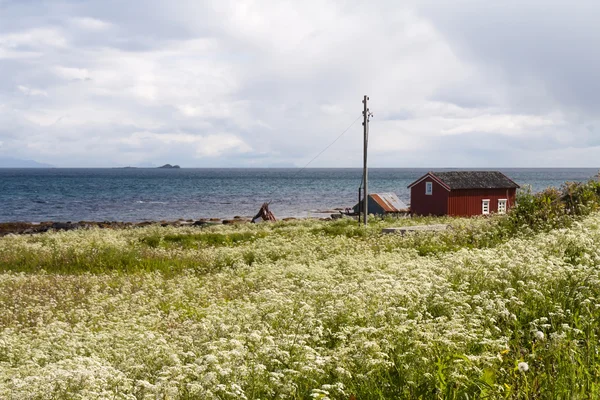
365,171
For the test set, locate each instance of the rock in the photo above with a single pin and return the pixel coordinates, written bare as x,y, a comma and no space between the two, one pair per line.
145,223
63,226
235,221
289,219
13,227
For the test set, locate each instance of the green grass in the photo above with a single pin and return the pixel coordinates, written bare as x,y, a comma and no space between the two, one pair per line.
308,309
173,250
202,239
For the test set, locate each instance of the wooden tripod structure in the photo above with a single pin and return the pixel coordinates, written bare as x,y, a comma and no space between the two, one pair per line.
265,214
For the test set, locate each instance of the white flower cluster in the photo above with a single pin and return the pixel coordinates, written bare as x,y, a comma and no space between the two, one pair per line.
292,314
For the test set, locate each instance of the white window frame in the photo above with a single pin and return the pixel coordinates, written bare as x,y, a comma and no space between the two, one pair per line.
505,201
428,188
483,203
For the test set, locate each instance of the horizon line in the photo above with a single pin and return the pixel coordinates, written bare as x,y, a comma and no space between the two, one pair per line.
295,167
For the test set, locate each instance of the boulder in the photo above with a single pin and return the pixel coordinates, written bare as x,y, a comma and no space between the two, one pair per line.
63,226
235,221
202,223
144,223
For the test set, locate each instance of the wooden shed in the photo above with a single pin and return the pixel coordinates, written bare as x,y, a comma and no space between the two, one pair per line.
383,203
462,193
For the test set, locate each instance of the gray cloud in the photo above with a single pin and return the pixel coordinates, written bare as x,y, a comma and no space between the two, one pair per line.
546,43
235,83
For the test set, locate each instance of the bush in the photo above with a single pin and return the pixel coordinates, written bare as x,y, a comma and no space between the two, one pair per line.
537,211
553,208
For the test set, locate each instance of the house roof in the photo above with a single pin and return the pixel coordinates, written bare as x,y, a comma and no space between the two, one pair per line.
389,202
470,180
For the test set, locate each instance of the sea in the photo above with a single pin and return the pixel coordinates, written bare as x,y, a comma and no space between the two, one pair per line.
135,195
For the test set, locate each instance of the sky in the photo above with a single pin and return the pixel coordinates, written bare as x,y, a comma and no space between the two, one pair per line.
271,83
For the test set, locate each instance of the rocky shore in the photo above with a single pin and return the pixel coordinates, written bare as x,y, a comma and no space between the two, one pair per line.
25,228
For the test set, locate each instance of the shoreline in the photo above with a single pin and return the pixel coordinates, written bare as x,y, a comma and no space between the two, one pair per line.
27,228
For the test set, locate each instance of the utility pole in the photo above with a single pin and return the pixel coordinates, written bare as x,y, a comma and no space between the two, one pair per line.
366,116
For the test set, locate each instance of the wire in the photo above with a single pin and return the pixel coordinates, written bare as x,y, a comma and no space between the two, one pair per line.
322,151
331,144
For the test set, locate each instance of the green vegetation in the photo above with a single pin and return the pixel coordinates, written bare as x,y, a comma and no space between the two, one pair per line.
497,307
202,239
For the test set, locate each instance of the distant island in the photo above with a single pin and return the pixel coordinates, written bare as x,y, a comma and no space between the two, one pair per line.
166,166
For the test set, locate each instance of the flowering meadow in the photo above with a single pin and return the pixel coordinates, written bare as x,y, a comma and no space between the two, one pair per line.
302,310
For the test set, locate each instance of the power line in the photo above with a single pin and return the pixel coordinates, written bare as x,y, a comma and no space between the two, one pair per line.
321,152
331,144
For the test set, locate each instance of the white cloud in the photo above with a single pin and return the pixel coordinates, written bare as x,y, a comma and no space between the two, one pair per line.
213,110
503,124
212,145
332,109
9,54
90,24
216,145
30,43
240,83
33,38
32,91
70,73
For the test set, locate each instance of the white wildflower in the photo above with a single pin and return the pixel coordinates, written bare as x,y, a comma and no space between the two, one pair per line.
305,306
539,335
523,366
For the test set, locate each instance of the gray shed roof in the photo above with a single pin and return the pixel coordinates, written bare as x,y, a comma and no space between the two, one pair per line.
475,180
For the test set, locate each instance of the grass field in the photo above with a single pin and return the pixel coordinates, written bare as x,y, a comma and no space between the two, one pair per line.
302,310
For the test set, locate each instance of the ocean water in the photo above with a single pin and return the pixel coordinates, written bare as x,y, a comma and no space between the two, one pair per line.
36,195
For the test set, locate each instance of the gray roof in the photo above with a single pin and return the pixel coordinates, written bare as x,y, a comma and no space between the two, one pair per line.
475,180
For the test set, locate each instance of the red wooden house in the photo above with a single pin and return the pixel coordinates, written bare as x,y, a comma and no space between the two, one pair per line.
462,193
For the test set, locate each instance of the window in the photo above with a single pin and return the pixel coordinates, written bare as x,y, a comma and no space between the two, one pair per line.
485,206
501,206
428,188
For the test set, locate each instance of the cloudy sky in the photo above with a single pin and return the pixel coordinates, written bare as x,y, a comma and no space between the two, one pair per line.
271,83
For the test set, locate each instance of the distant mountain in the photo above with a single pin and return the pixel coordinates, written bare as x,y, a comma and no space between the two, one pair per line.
169,166
8,162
